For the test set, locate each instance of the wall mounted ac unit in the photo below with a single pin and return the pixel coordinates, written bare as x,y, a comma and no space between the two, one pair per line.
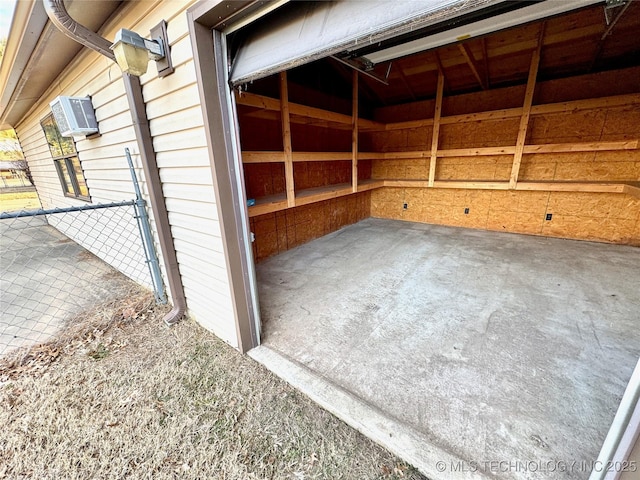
74,116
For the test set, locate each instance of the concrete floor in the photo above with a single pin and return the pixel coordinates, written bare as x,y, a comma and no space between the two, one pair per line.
448,344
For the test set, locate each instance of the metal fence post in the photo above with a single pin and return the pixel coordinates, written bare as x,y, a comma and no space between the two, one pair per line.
147,239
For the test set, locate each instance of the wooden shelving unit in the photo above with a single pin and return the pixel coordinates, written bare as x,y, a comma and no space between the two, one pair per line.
295,113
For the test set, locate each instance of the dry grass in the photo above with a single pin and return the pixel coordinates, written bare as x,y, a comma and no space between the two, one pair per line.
18,196
15,201
122,396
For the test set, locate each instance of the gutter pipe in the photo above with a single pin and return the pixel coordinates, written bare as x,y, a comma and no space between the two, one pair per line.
59,16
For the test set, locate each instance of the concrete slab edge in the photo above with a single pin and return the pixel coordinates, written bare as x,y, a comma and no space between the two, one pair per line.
400,439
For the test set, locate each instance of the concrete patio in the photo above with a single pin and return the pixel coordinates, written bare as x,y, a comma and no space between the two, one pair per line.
459,349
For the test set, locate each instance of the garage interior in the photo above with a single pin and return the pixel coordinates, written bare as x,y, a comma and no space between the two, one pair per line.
389,203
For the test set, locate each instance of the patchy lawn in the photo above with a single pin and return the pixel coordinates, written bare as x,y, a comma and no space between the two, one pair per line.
122,396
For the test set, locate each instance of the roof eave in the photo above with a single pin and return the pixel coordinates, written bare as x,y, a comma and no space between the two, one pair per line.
32,65
29,21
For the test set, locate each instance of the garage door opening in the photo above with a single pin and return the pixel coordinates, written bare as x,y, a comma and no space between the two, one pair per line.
510,132
387,203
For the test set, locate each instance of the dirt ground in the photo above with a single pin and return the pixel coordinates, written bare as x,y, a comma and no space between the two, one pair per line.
122,396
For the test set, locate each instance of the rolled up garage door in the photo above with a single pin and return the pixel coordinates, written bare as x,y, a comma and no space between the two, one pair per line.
301,32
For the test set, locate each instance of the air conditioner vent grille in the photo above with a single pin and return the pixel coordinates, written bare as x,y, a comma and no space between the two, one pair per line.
74,116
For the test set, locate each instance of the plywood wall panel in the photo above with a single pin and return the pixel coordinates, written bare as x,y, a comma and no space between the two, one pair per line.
596,85
591,216
586,216
494,133
585,126
281,231
601,171
622,124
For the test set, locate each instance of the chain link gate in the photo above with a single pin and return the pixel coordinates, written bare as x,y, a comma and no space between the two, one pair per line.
56,263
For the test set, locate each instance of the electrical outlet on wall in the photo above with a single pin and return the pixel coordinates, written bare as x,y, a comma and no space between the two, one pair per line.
405,206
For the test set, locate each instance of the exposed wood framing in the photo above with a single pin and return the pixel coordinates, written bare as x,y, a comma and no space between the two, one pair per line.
354,133
526,111
509,48
473,65
286,140
301,111
436,129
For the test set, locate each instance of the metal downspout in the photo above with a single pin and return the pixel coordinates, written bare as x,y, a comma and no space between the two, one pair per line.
59,16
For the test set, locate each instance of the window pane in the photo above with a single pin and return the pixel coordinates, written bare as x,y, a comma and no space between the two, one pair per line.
77,170
58,144
51,134
65,178
67,145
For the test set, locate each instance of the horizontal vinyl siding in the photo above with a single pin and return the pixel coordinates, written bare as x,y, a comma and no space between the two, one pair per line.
175,120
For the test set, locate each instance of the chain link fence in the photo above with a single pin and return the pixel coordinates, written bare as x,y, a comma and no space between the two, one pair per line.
57,263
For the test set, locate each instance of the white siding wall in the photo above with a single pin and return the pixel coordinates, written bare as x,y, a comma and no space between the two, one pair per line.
180,144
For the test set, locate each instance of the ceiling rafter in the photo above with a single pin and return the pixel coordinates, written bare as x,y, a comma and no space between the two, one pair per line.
473,65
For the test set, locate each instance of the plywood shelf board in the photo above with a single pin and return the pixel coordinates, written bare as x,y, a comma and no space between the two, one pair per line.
632,189
274,203
365,185
591,187
249,157
278,157
472,184
319,194
304,111
268,204
298,112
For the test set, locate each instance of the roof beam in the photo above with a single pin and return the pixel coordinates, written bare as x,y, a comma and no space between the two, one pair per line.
471,61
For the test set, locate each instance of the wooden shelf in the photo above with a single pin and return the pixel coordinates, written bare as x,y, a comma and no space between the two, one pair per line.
366,185
631,188
268,204
300,113
278,157
558,186
320,194
276,109
274,203
307,115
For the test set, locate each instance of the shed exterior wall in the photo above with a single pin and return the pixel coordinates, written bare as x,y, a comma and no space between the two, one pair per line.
179,141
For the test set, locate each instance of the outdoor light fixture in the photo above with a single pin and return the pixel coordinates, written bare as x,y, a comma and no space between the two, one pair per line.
133,51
